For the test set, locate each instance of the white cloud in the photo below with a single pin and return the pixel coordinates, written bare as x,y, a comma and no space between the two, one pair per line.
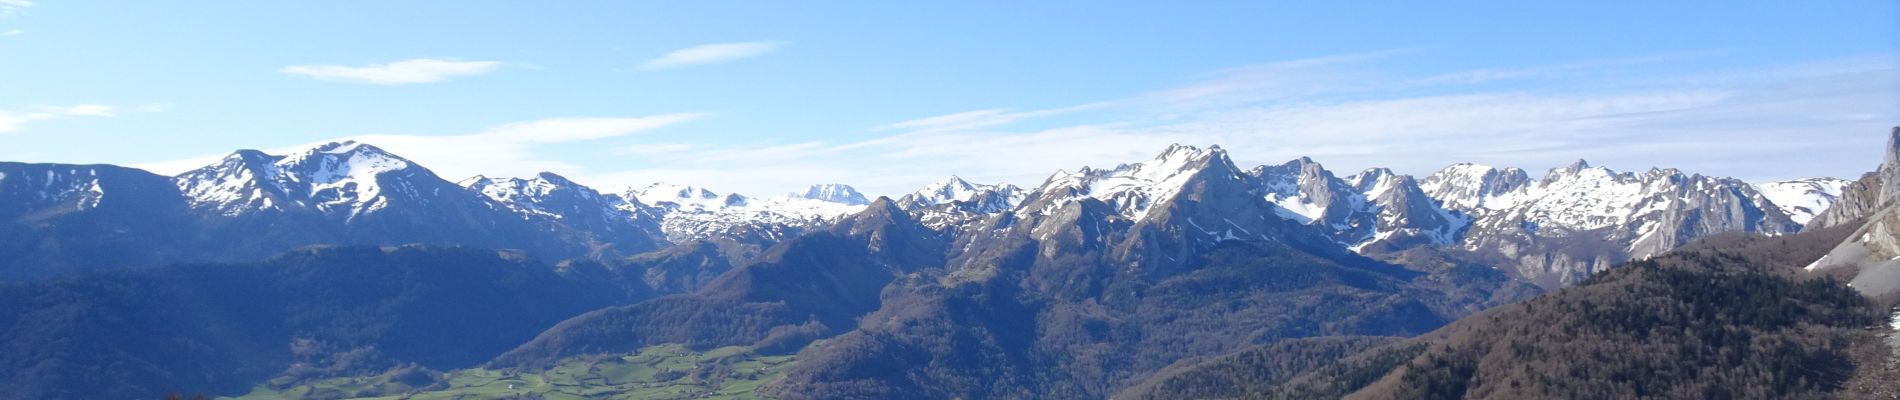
1750,123
412,71
15,121
10,7
710,54
555,130
979,119
12,32
505,150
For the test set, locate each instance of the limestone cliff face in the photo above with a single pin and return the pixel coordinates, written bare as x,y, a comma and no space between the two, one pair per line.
1868,195
1873,250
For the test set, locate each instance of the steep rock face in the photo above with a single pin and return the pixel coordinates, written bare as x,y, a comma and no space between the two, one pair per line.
1402,215
1305,191
1375,210
1871,255
1868,195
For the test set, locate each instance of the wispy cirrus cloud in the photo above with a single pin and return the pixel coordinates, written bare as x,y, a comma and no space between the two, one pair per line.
979,119
710,54
16,120
405,72
504,150
11,7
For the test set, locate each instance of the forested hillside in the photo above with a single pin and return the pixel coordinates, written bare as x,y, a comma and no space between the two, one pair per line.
1730,317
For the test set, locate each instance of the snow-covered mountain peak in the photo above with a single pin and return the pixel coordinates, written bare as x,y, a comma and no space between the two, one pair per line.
1578,165
1301,189
835,193
332,177
549,195
681,196
1133,188
955,188
1470,187
341,163
961,201
691,212
1366,180
509,190
948,188
1803,199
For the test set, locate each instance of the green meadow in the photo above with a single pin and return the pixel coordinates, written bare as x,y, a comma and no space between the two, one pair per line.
659,372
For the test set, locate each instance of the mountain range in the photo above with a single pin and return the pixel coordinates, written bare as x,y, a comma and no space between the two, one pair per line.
1102,282
1557,229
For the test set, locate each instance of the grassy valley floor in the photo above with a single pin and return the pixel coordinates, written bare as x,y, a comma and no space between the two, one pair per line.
658,372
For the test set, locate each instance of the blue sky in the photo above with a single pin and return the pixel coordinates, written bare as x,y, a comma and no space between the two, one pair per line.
762,98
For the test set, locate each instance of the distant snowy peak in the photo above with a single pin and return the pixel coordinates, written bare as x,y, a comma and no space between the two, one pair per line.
340,177
684,197
1581,197
978,197
835,193
549,195
691,212
1468,187
1803,199
1133,189
1302,190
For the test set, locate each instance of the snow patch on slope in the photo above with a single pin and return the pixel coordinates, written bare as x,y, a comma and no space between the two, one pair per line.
1803,199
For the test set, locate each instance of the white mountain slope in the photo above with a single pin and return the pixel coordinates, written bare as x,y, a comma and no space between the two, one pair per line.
1132,189
1803,199
693,213
553,196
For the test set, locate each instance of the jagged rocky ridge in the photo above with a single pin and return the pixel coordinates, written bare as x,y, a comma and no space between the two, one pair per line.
66,218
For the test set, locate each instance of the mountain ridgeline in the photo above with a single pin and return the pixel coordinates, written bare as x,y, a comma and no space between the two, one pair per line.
1185,275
